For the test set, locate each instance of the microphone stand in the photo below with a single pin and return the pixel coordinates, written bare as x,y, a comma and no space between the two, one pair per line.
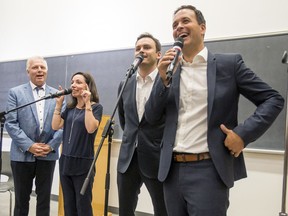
107,182
2,119
283,206
108,131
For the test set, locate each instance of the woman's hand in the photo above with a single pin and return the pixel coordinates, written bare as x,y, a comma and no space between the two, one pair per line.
86,94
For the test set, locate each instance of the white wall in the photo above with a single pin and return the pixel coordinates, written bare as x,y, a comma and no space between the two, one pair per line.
261,192
53,27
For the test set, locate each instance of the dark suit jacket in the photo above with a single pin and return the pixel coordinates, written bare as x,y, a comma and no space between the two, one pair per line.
227,78
147,136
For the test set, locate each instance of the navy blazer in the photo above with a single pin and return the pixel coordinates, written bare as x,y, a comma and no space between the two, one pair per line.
227,78
23,125
147,136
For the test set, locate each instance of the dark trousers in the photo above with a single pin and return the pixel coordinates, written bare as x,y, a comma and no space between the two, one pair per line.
195,189
23,174
129,184
76,204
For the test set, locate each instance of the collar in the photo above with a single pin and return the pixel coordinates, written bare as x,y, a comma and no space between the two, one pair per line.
33,86
202,56
151,76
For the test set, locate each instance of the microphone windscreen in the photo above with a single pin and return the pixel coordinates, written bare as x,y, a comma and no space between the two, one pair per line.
284,58
179,42
68,91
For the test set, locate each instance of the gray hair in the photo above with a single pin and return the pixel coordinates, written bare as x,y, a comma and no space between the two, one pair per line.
29,60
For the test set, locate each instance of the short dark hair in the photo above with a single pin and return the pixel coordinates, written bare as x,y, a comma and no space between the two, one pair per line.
92,87
148,35
199,16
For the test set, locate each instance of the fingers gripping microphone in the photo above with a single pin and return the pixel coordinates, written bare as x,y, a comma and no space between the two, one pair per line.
58,93
178,45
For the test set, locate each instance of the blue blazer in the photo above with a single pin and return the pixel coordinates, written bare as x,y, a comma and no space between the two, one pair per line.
23,125
147,136
227,78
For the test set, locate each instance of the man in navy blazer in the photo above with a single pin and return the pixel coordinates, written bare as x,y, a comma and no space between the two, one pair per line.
201,152
34,147
139,155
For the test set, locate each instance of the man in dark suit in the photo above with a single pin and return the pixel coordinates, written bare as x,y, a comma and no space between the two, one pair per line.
201,153
140,148
34,147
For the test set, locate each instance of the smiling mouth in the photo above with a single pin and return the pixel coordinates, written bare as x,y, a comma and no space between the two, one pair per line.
184,35
74,91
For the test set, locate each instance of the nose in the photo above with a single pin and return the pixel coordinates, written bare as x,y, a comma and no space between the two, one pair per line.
141,51
178,27
39,68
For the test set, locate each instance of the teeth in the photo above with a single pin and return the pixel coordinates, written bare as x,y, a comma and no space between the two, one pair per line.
183,35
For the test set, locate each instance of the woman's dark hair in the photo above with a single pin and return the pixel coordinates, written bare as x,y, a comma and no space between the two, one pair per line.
92,87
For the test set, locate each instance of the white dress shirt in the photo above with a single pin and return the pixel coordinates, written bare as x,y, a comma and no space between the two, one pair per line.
143,90
39,93
191,134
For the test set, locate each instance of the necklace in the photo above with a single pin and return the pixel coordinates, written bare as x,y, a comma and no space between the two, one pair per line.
72,124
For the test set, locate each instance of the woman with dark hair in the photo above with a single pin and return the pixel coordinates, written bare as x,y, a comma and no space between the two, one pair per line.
80,121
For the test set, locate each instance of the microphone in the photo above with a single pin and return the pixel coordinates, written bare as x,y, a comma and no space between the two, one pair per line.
138,60
58,93
178,45
285,58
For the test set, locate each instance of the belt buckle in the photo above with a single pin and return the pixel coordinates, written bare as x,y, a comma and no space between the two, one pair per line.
183,158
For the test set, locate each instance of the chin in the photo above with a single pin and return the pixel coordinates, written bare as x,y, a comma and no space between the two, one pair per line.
39,83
